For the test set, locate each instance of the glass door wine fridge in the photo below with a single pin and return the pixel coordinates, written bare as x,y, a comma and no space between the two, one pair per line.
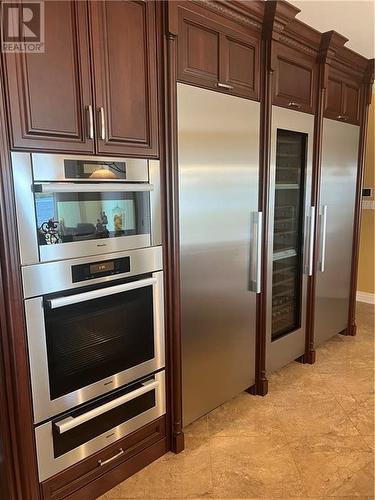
291,219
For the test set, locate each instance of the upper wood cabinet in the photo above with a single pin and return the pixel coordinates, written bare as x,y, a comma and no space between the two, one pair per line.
342,98
124,63
294,79
49,94
214,56
109,47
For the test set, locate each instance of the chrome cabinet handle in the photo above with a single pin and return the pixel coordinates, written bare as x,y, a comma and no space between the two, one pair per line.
255,281
78,187
295,105
224,86
71,422
342,117
311,240
90,122
323,239
96,294
102,123
105,462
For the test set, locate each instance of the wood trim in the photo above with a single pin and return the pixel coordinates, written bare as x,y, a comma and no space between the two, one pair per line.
20,441
171,232
368,80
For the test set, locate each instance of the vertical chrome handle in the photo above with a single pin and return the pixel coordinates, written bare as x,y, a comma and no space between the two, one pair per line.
323,240
256,254
311,240
90,122
102,123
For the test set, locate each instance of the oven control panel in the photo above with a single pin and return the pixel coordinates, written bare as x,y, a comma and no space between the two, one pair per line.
92,270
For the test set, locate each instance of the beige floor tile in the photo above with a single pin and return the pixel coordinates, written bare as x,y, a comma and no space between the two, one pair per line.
245,467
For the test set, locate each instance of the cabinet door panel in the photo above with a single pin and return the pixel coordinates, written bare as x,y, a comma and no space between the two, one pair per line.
198,51
49,93
294,80
351,103
239,66
334,97
124,56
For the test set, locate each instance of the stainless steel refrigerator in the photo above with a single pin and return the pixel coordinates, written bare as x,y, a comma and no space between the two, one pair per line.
218,151
336,220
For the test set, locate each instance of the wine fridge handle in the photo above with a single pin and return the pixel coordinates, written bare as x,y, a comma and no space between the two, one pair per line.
311,240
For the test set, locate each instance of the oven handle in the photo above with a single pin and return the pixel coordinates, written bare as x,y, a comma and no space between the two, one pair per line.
101,292
70,187
71,422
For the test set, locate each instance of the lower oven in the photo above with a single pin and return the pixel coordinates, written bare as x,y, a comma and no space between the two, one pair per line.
78,434
93,325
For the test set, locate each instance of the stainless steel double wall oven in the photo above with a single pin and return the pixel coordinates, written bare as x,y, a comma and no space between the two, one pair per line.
92,271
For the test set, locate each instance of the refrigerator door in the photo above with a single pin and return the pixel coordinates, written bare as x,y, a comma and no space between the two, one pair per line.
291,220
218,148
336,219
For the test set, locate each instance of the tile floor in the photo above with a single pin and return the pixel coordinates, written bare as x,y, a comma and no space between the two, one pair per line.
312,436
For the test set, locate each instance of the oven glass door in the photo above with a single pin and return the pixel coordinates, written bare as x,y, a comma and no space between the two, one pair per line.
75,214
94,341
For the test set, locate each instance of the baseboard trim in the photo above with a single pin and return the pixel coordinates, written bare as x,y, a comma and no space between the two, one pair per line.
369,298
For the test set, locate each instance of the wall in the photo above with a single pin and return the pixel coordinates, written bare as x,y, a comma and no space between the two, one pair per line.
366,269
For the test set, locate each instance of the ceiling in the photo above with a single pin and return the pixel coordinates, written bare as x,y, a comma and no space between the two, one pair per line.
354,19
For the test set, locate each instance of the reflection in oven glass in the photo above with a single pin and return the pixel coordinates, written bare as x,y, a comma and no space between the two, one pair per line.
68,217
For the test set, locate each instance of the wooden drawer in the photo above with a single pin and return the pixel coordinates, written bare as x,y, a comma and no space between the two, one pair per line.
215,57
88,479
294,79
342,98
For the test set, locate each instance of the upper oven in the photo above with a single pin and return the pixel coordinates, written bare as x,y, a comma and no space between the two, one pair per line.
93,325
70,207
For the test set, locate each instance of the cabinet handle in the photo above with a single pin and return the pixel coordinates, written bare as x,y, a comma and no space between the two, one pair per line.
342,117
323,238
90,122
224,86
311,240
105,462
295,105
102,123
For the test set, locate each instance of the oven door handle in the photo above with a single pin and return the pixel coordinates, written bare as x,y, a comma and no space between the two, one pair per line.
71,422
95,187
96,294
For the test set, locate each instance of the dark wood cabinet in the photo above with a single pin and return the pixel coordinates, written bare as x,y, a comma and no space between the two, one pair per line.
124,67
342,98
213,56
51,104
49,94
294,79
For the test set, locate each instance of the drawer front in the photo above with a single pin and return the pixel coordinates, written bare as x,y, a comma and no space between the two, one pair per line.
140,448
294,80
68,439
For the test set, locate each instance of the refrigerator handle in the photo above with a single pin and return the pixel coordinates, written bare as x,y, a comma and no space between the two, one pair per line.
311,240
323,239
256,254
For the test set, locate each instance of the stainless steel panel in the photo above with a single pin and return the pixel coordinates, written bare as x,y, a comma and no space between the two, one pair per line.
218,144
51,277
155,202
337,192
285,349
44,407
50,167
48,465
92,247
25,211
